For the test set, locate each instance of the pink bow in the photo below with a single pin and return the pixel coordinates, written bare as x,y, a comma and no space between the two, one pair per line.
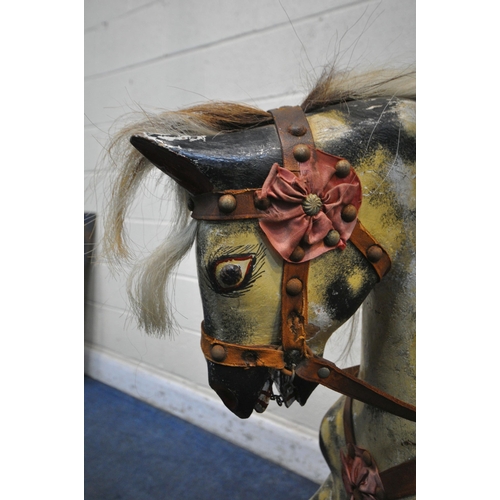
286,223
360,473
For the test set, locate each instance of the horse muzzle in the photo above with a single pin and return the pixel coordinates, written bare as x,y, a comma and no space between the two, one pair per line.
239,389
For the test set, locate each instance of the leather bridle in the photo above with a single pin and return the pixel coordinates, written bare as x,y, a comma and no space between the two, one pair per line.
293,356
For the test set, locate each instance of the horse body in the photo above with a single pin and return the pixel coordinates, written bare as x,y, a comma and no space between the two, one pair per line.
240,272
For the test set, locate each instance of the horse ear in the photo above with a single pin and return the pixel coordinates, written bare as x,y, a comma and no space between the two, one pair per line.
171,162
238,160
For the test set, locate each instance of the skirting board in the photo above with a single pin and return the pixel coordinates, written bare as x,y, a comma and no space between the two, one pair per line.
270,437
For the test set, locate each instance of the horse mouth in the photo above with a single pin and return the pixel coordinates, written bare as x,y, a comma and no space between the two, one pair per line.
244,390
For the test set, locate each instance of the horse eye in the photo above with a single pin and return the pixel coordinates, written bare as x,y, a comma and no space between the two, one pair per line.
231,273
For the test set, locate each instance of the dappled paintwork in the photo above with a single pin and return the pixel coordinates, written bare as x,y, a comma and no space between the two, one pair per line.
389,316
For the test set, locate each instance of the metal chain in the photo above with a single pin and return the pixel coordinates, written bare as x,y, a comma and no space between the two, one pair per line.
278,398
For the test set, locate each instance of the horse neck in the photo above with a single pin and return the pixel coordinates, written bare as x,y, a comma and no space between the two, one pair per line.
388,362
388,337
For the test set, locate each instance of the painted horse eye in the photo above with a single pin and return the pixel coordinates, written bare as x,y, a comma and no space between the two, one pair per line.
231,273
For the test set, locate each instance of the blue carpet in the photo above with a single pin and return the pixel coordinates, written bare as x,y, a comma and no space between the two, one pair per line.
134,451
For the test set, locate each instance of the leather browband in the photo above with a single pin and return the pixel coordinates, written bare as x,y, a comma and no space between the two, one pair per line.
206,207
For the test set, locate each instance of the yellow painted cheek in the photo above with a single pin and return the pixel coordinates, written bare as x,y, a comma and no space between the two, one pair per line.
257,311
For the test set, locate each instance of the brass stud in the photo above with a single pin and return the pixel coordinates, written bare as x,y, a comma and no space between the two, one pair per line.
297,130
324,372
349,213
261,203
298,254
294,287
312,204
227,203
301,153
332,238
342,169
374,253
218,353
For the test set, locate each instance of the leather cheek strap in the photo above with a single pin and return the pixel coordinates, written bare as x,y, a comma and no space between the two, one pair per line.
294,132
372,251
294,306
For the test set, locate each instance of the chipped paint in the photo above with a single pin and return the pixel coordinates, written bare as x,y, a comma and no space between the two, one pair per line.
407,114
175,138
327,126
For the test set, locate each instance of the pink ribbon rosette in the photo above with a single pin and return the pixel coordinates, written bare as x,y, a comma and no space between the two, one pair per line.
360,475
305,209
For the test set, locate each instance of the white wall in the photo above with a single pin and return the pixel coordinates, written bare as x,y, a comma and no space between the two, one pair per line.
169,54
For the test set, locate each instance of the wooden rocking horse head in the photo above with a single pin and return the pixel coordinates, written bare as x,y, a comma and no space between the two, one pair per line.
298,214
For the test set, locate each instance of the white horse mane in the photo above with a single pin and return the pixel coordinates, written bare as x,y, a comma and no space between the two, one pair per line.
148,282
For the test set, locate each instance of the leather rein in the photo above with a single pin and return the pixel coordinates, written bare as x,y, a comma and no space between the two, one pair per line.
293,356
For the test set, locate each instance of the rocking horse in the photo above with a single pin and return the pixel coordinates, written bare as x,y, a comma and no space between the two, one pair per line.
300,215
